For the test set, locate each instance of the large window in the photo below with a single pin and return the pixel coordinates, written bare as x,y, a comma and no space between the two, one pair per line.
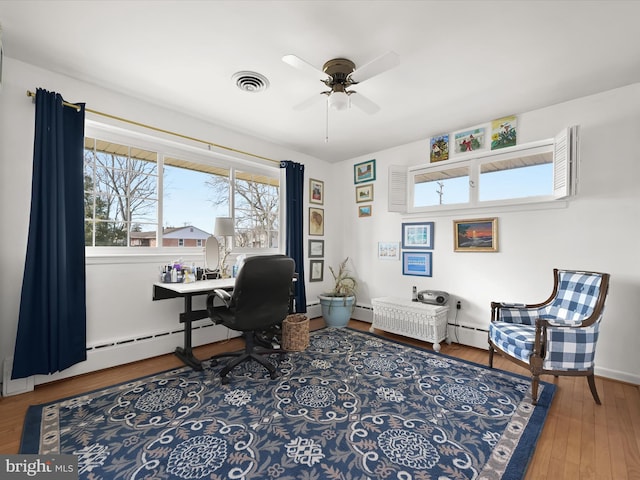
154,196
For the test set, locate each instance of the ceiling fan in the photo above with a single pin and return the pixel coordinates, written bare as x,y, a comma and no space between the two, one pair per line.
339,75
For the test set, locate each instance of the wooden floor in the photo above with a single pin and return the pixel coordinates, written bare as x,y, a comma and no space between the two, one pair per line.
580,439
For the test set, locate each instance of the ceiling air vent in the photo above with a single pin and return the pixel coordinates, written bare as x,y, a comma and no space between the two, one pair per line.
250,81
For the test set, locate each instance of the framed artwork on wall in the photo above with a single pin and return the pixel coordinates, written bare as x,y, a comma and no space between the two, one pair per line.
388,251
316,221
439,148
417,235
364,171
364,193
504,132
470,140
417,263
316,191
479,235
316,248
316,270
364,211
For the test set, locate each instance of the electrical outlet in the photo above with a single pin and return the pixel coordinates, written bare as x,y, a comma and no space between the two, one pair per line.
458,305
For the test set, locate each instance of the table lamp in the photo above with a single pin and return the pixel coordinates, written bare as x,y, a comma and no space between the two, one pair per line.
224,228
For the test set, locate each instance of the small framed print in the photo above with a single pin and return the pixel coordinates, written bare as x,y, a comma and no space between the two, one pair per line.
364,211
470,140
364,172
316,221
504,132
417,235
316,270
388,251
316,191
480,235
364,193
439,148
417,263
316,248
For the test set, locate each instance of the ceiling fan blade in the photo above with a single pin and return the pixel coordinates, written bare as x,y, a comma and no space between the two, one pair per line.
297,62
363,103
375,67
310,102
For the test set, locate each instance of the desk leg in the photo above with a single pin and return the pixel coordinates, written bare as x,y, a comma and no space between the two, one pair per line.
186,353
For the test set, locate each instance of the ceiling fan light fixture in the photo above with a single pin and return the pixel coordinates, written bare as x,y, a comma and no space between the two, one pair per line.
339,101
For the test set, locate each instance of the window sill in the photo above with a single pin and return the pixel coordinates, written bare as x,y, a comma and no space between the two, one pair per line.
526,206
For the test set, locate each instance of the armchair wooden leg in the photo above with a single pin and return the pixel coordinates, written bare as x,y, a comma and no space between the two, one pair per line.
490,356
592,386
534,389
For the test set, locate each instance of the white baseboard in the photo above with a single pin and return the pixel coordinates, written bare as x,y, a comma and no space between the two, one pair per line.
617,375
13,387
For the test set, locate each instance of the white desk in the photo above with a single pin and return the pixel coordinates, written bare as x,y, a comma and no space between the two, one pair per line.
162,291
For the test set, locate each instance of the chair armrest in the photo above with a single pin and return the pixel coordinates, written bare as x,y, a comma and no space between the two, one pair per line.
223,295
519,313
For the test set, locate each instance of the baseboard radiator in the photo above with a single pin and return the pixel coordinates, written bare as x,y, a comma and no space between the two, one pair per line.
111,353
468,335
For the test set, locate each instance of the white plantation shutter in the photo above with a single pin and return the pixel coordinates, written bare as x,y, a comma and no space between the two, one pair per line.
397,189
565,163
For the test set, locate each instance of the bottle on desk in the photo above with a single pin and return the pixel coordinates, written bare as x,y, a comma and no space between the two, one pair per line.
414,294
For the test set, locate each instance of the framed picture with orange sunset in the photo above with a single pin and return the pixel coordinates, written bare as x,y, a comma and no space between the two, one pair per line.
477,235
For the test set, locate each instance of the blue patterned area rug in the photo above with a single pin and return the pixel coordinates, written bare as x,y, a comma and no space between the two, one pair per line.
352,406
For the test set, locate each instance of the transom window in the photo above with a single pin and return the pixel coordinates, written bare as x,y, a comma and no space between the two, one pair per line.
531,173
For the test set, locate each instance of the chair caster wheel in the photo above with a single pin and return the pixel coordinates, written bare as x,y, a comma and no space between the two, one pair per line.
224,380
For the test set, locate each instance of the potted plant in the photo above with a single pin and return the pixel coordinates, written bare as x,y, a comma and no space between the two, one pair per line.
338,303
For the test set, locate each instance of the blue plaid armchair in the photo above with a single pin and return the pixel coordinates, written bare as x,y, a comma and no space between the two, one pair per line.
556,337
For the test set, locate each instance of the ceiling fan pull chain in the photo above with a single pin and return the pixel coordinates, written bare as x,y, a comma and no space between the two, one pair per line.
326,134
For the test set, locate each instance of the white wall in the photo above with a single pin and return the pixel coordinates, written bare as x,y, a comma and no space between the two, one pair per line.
119,293
599,230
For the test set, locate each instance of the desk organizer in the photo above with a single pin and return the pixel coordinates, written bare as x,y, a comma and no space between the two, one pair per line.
411,319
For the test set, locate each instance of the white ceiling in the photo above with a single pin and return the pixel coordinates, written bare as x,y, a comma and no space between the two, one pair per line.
461,62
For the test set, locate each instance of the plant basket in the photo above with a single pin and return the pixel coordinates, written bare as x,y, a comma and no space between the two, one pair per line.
295,332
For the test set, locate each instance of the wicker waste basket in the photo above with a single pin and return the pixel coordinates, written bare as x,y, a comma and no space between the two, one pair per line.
295,332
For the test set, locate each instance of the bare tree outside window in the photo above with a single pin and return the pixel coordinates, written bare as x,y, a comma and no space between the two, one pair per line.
256,199
120,192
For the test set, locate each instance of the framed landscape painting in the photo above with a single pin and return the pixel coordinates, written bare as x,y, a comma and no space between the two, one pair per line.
364,193
480,235
364,171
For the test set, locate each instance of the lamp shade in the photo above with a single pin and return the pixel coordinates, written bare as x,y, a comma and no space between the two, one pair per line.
338,101
223,227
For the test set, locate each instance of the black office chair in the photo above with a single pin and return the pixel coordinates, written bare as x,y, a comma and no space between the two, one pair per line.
260,300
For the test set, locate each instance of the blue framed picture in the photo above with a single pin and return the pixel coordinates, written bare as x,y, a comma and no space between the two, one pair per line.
417,264
417,235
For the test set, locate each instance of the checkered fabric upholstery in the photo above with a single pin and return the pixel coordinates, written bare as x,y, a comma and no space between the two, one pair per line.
567,348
